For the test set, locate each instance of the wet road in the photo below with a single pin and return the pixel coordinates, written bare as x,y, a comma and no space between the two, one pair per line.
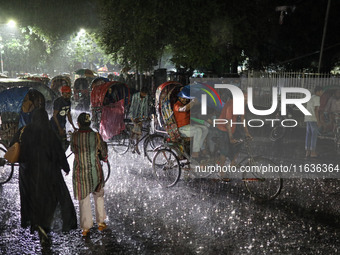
197,216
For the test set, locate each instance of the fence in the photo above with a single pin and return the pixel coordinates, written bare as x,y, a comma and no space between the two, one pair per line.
263,83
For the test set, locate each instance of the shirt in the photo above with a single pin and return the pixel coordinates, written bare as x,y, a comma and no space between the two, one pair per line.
87,171
63,107
140,107
227,113
182,118
312,103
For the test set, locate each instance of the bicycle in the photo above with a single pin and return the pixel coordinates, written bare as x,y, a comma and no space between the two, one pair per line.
6,168
168,163
122,142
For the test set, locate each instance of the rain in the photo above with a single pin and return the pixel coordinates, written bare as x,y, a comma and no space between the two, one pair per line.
266,46
196,216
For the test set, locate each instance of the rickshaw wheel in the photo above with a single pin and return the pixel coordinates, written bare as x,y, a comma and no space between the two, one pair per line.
120,143
151,143
166,167
263,186
6,169
277,133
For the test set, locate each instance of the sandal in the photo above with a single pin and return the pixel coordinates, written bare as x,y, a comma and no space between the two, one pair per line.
85,232
102,226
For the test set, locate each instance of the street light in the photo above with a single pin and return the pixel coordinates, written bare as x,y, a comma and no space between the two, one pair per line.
11,24
2,62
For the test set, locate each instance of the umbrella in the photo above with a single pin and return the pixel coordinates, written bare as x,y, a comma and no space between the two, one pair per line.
85,72
213,99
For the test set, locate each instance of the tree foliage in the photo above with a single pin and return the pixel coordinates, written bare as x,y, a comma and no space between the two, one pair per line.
213,35
221,35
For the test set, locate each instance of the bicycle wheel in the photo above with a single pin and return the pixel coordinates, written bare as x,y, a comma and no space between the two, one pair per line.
150,144
120,143
198,171
262,185
106,170
166,167
277,133
6,169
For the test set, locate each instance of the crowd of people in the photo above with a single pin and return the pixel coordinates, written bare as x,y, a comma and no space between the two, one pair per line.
44,197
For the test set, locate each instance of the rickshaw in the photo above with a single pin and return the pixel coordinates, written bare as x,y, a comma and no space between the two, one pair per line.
58,81
81,94
110,104
48,94
174,156
329,131
42,79
16,106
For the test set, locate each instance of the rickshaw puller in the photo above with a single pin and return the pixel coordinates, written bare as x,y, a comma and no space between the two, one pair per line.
182,115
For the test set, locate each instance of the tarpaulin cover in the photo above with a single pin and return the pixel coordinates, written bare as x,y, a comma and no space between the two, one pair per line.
166,96
112,120
161,93
119,91
11,99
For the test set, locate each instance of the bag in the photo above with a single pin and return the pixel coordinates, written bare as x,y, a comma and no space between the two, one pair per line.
13,152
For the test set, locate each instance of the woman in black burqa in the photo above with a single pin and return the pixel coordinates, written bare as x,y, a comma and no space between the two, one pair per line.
41,184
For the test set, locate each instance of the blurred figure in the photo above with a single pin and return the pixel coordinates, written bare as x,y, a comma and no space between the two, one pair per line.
227,132
89,148
110,77
41,184
332,108
312,123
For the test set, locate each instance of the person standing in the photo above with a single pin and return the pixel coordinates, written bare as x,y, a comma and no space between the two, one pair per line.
312,123
41,184
87,173
61,110
139,111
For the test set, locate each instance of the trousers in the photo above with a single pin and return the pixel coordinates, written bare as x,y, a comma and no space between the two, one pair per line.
86,221
198,132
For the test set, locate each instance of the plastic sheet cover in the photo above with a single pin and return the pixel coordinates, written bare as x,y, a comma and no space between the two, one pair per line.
11,99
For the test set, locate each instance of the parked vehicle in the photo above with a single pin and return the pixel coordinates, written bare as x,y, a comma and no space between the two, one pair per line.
58,81
81,94
16,106
48,94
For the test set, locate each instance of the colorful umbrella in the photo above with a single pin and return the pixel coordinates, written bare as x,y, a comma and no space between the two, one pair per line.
213,98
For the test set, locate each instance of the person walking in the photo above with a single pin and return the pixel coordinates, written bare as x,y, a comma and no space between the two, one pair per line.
88,148
312,123
41,184
61,109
